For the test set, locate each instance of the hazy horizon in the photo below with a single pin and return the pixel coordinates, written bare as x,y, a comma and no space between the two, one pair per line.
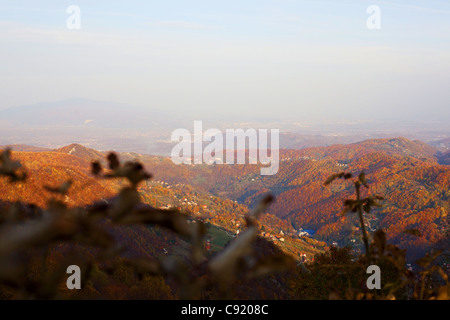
273,60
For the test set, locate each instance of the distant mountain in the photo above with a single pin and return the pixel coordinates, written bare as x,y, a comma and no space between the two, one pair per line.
85,112
99,124
80,151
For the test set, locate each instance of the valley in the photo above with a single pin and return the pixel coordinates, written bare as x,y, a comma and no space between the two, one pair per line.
410,175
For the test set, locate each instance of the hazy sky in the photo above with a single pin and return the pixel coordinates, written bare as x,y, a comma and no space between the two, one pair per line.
277,59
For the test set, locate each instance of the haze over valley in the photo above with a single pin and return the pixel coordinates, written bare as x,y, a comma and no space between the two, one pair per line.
103,125
225,149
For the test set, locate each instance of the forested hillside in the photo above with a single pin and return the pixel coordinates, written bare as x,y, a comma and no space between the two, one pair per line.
145,239
406,173
47,170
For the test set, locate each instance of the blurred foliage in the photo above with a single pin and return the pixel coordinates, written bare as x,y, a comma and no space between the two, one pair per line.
348,272
38,244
